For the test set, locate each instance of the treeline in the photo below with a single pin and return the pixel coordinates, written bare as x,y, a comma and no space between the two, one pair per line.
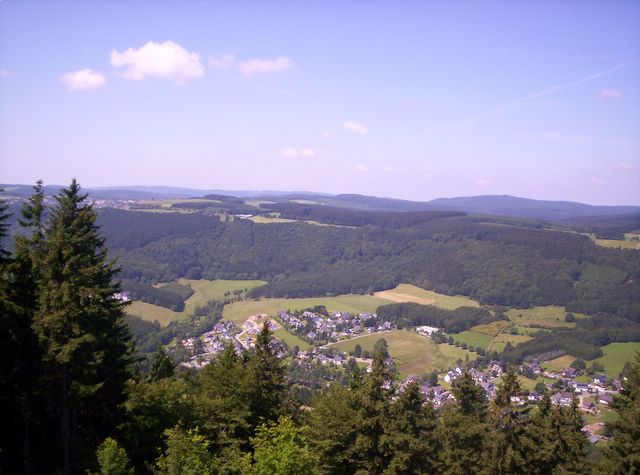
171,296
544,342
351,217
452,321
65,351
224,207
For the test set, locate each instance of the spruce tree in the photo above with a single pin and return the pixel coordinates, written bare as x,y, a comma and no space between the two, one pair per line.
79,323
463,429
410,438
374,398
623,454
265,380
510,445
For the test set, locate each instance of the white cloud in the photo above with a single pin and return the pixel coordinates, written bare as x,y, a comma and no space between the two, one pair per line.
484,182
362,168
325,135
624,166
4,73
388,169
83,80
355,127
223,63
598,181
297,152
258,66
166,60
607,94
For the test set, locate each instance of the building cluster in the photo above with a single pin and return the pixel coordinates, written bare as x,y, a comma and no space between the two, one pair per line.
317,329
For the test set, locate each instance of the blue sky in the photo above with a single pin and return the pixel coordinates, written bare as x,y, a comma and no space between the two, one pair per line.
413,100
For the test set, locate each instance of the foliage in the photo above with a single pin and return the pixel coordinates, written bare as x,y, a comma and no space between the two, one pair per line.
113,459
280,449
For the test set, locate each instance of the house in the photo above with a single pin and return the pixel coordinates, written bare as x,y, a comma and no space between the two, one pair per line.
589,407
452,375
605,399
601,380
562,398
580,387
426,330
518,400
569,373
533,397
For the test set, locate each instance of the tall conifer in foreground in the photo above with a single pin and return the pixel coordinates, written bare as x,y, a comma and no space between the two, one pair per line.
79,323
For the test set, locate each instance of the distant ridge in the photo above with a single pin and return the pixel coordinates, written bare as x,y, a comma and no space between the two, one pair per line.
502,205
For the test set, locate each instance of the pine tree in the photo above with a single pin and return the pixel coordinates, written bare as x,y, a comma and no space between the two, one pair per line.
410,440
79,323
373,414
623,453
463,428
162,365
510,445
265,380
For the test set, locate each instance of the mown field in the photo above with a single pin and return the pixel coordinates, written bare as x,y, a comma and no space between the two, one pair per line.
560,363
474,339
291,340
616,355
414,354
630,242
204,290
551,316
239,311
411,293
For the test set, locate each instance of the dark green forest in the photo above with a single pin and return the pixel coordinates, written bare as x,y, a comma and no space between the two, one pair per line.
498,264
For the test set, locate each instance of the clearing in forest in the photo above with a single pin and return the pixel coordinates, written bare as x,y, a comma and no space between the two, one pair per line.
411,293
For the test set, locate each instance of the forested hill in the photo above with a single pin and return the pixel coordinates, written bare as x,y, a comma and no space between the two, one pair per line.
492,263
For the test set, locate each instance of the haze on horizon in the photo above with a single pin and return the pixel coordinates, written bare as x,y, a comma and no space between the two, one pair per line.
417,100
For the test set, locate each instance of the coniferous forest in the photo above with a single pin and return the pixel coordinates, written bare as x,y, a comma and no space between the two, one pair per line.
75,401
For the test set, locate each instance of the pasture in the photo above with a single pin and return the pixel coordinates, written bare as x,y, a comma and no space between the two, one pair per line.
551,316
559,364
493,328
616,355
500,342
474,339
239,311
290,339
414,354
411,293
204,290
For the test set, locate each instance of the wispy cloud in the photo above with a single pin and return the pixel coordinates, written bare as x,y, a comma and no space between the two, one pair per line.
362,168
83,80
262,66
297,152
4,73
525,100
590,140
598,180
624,166
388,169
609,94
166,60
223,63
325,135
484,182
355,127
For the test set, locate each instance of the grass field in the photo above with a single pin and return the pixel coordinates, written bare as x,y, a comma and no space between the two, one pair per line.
204,290
267,220
499,342
151,312
616,355
473,338
290,339
239,311
493,328
414,354
551,316
411,293
559,364
630,242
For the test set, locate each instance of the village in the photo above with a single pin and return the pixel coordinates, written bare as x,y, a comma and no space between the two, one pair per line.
320,328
